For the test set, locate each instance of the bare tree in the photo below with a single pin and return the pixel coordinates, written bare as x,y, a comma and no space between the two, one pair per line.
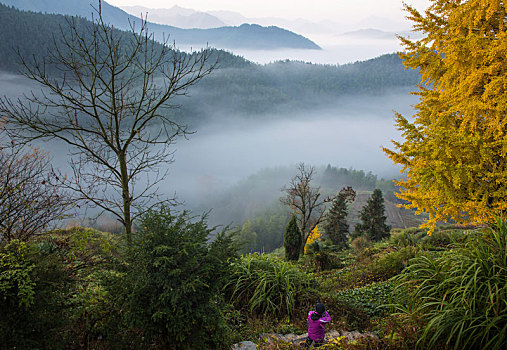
30,199
305,201
110,104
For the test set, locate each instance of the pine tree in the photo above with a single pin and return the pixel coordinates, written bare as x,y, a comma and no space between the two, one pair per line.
373,219
336,226
247,237
292,240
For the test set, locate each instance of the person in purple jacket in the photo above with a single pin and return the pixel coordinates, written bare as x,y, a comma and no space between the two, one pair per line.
316,325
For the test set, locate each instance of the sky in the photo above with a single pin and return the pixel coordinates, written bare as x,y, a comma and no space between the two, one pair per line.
312,10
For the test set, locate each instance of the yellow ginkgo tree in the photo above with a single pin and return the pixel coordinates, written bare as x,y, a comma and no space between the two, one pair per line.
455,145
314,236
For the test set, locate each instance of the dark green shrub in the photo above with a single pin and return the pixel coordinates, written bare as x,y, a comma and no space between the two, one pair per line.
322,257
169,291
380,268
336,225
50,290
373,219
266,285
461,294
371,299
409,237
443,239
35,288
292,240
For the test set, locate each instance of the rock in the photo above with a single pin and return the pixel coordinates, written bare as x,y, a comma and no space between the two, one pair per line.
355,335
270,336
297,339
289,338
333,334
245,345
351,335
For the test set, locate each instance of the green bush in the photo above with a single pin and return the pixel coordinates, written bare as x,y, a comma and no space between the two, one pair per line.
169,290
443,239
461,294
322,257
50,292
267,285
409,237
36,285
371,299
381,267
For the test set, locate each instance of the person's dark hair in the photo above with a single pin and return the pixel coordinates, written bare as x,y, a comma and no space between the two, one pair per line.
320,308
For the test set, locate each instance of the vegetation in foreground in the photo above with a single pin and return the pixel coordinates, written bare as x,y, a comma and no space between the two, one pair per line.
82,288
172,286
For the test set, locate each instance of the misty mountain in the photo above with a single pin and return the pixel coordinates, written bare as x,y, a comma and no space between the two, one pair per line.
177,16
304,26
34,34
244,36
291,85
238,86
325,27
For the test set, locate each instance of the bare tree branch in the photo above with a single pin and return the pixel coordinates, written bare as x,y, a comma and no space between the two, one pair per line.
305,201
30,198
110,104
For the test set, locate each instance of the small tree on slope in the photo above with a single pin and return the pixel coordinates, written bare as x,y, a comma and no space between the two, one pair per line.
292,240
336,226
373,219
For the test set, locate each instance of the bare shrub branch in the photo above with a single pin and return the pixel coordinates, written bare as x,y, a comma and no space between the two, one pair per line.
111,104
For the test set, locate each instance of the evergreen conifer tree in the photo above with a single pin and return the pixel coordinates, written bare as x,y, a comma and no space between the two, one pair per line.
336,226
373,219
292,240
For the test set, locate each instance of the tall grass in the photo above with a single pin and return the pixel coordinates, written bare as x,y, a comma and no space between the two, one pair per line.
267,285
461,294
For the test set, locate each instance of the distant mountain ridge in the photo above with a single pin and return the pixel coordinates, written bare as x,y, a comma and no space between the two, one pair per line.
244,36
177,16
237,87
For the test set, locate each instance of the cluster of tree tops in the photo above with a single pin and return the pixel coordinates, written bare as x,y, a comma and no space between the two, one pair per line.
236,85
372,227
254,202
264,88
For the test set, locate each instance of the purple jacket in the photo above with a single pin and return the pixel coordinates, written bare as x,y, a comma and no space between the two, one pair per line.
317,329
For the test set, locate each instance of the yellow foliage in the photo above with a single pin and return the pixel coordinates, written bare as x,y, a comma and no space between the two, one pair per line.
314,236
455,145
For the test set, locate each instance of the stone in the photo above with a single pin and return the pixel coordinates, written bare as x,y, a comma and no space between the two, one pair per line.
333,334
245,345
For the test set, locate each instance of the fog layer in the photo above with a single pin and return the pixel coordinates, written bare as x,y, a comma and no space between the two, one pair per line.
347,133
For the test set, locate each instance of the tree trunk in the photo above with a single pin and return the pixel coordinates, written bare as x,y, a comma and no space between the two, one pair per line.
127,219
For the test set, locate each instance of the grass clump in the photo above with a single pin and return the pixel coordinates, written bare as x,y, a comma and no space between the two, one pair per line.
460,295
267,285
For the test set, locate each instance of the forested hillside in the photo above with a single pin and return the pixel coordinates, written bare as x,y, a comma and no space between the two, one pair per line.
293,84
34,34
237,85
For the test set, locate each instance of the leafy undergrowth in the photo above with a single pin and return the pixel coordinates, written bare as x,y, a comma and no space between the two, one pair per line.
81,288
361,291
